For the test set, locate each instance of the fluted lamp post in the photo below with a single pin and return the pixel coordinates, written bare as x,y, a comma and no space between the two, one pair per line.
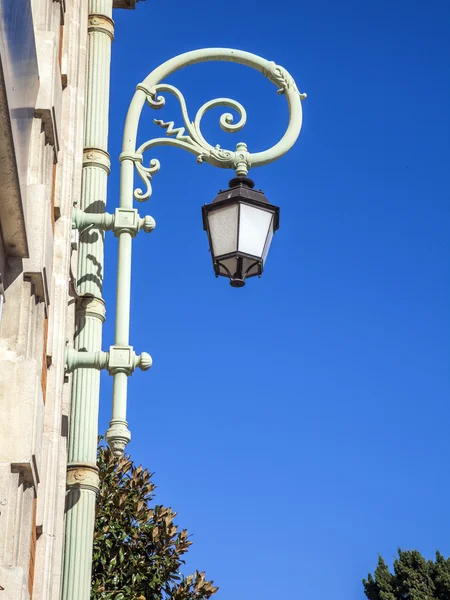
240,224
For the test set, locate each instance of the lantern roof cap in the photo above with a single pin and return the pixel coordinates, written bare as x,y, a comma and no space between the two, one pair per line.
241,181
241,188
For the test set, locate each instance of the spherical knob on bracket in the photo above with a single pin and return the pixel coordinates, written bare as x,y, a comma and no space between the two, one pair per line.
147,224
145,361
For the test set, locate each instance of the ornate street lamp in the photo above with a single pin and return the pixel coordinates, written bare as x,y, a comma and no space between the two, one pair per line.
257,218
240,224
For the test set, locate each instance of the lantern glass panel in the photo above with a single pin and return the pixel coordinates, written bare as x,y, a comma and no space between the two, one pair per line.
268,242
250,267
230,264
254,224
223,227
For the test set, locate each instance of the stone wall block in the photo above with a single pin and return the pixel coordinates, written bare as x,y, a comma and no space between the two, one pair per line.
23,410
49,100
16,516
38,268
14,582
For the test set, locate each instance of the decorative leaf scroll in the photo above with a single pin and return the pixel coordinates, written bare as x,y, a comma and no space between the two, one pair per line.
280,77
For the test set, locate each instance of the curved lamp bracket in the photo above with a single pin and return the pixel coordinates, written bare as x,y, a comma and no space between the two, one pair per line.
190,136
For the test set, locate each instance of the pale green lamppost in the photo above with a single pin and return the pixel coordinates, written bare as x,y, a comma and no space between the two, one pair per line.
240,224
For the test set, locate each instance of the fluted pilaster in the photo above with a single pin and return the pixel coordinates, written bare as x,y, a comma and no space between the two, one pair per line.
86,384
101,33
91,246
80,504
82,479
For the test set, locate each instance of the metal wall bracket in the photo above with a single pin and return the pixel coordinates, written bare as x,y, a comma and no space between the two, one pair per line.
119,359
123,220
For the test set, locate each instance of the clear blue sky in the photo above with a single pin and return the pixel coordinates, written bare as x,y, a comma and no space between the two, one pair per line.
299,425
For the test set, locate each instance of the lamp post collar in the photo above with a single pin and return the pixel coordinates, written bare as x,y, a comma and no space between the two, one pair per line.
242,182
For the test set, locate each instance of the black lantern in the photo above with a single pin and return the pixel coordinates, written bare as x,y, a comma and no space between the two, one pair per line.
240,224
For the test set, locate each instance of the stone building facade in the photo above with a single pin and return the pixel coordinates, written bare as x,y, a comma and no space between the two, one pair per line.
43,56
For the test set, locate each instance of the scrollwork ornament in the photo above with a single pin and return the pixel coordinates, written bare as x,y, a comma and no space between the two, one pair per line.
146,175
217,156
152,99
189,135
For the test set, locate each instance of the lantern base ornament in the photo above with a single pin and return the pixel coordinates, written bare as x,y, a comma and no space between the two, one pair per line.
237,283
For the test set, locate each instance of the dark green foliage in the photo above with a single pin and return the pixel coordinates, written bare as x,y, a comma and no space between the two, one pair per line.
138,550
414,578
